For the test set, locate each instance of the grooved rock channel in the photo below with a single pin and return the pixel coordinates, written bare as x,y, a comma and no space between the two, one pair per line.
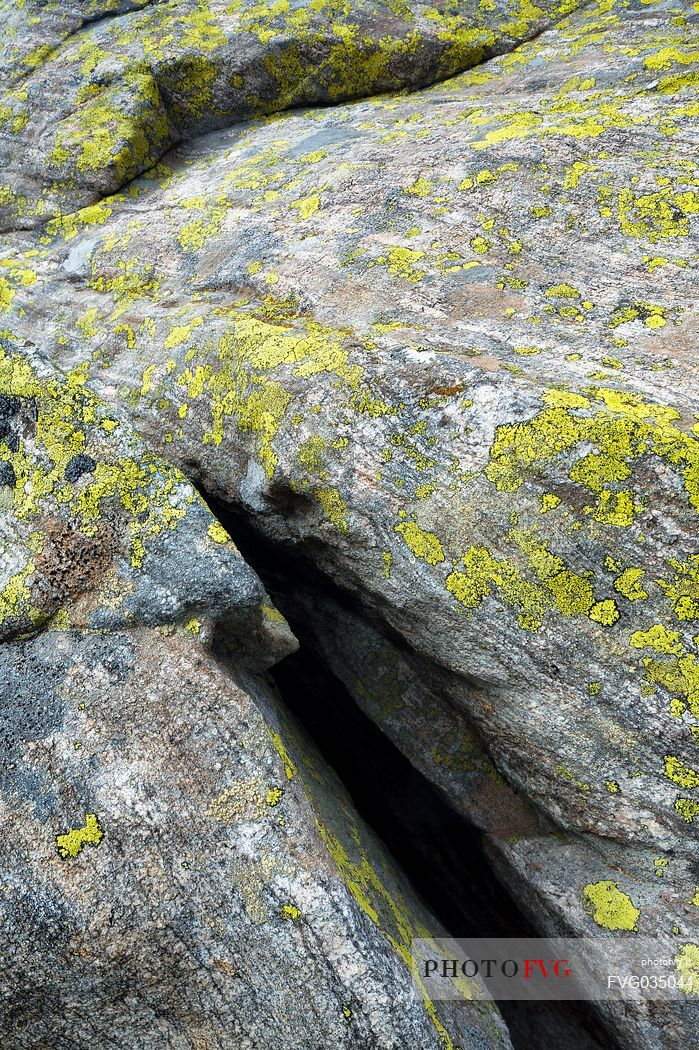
433,344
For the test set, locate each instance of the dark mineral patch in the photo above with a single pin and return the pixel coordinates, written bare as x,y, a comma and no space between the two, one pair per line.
7,475
9,406
78,466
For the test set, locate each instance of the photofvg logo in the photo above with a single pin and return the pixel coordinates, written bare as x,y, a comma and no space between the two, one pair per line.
509,969
537,969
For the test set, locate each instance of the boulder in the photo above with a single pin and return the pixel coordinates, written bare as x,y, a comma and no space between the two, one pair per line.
98,91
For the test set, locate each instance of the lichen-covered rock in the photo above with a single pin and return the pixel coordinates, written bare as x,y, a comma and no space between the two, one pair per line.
522,508
179,868
98,92
422,708
444,343
95,524
164,879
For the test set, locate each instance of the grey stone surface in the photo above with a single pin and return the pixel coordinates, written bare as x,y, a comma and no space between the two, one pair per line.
178,867
443,343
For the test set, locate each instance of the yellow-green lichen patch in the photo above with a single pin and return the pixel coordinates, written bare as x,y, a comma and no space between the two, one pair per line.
659,216
307,206
70,225
289,767
245,800
680,773
677,671
659,638
334,507
194,234
683,591
605,612
90,834
242,378
562,291
628,584
687,968
217,532
77,473
626,429
16,596
609,906
653,315
420,188
687,808
553,585
102,135
423,544
374,898
370,880
400,263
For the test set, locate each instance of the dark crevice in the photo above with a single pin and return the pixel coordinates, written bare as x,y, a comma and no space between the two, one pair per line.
439,852
437,849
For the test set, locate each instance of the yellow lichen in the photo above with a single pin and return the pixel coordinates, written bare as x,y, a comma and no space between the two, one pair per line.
687,968
609,906
423,544
217,532
90,834
680,773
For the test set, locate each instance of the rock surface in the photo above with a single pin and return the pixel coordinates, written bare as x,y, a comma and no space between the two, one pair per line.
441,343
99,91
179,868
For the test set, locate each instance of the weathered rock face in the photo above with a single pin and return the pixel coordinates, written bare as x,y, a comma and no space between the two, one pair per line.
95,525
164,867
98,92
179,868
421,709
442,343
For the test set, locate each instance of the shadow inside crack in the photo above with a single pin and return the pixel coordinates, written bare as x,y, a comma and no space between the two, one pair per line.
439,852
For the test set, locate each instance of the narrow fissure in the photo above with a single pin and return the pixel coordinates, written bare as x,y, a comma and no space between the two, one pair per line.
439,852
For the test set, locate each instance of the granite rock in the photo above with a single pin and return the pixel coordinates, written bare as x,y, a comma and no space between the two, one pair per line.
179,867
442,344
